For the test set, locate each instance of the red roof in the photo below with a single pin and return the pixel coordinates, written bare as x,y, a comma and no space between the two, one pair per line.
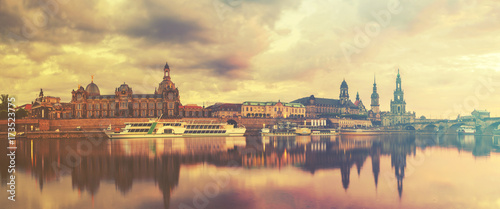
25,106
357,102
190,106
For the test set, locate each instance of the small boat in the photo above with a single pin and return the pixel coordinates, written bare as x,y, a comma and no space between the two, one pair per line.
360,132
466,130
158,129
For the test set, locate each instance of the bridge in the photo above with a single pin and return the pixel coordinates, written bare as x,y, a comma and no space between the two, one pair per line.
485,125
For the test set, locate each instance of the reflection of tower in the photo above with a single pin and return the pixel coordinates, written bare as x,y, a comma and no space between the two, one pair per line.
345,171
375,164
398,161
168,176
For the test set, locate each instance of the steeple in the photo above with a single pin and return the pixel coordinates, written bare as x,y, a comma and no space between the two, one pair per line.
357,96
41,93
375,97
166,72
398,104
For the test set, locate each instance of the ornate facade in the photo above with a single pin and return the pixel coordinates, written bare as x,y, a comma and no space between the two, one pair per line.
89,103
398,114
272,110
222,110
323,107
48,107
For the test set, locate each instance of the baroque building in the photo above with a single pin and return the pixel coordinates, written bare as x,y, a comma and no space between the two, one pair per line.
272,110
49,107
223,110
323,107
398,114
89,103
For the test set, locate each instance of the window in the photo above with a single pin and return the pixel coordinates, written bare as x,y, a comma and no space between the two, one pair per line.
143,105
136,105
89,106
170,105
158,105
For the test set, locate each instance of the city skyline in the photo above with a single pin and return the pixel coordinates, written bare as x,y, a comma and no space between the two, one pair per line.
236,51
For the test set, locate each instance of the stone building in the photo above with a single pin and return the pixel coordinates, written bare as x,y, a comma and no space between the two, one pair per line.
323,107
272,110
193,110
48,107
398,113
222,110
89,103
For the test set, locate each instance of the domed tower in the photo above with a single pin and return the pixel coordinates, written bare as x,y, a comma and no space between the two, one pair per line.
344,93
92,89
375,98
170,95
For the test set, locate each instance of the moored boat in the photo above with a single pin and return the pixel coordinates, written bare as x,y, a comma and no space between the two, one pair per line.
466,130
157,129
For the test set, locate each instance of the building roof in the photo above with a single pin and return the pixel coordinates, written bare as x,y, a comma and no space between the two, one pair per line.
102,97
226,106
24,106
190,106
92,89
292,104
323,101
344,84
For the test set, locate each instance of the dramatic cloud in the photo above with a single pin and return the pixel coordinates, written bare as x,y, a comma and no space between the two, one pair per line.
261,50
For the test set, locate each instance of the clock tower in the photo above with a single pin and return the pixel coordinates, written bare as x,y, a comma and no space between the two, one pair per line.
170,95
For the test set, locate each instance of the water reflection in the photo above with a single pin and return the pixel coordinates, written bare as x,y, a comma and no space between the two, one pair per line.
125,162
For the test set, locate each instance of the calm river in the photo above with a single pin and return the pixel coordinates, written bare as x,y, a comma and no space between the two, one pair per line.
391,171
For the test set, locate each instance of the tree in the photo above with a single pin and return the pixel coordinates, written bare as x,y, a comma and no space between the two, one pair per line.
4,98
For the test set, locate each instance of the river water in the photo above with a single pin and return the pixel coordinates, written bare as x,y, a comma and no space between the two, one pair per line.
388,171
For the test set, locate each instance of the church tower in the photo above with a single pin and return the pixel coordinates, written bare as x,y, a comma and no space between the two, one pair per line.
344,93
170,95
398,104
375,98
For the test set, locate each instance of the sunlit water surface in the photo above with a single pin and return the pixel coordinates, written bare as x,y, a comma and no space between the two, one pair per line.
391,171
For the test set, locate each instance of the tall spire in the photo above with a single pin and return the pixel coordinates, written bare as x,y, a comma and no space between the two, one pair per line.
92,78
166,72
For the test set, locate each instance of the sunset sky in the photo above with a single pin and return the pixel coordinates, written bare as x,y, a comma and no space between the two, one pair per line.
448,51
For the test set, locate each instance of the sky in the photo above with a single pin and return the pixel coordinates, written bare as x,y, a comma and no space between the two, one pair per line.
447,51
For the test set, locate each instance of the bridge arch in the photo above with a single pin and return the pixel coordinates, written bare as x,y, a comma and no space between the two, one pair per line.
409,128
492,127
232,122
430,128
455,126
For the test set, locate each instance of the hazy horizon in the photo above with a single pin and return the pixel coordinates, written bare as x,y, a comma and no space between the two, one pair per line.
255,50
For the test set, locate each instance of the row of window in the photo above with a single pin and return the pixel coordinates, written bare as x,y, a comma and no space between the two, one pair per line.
205,131
202,127
293,110
141,124
139,130
171,124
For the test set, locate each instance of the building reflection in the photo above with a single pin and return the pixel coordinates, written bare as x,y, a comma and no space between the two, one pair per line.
160,160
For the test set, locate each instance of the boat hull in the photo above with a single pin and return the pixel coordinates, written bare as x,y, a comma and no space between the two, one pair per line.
131,136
